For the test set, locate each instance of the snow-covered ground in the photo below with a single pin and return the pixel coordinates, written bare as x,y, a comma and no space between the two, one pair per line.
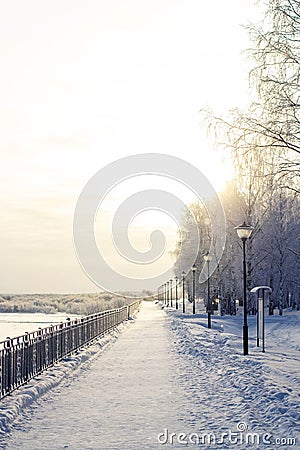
259,392
166,382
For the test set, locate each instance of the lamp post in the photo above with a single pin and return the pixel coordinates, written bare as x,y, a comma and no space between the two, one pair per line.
165,293
176,292
194,268
183,293
171,292
207,257
244,232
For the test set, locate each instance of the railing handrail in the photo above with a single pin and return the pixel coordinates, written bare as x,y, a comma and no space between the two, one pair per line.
67,322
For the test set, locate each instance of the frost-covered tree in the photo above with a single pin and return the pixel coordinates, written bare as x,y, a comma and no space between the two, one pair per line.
272,251
270,127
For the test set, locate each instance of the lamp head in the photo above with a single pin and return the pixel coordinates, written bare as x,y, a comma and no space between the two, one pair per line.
244,231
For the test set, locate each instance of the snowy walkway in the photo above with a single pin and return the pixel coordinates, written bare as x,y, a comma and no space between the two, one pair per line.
123,401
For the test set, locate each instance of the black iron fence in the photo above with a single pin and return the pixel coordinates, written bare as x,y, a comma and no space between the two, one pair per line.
25,356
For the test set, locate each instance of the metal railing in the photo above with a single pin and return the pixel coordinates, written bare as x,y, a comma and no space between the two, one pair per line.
25,356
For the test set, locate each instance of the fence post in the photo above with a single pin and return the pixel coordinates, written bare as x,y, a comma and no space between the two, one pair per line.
8,364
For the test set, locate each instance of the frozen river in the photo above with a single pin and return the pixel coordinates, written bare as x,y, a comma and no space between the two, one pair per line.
15,324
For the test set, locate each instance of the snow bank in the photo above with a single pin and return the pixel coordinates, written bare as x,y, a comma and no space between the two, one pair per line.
259,391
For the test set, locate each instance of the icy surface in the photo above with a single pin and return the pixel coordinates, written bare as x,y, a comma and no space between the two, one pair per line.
16,324
167,371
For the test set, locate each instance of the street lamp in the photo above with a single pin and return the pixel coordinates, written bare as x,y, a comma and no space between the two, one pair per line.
171,292
176,292
194,268
244,232
207,257
183,293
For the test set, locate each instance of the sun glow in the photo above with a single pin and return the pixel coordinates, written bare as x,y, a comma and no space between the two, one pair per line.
114,79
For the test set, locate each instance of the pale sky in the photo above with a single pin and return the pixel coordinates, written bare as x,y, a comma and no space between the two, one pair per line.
84,83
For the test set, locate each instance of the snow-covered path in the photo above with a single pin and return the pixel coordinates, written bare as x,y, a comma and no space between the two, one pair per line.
124,399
